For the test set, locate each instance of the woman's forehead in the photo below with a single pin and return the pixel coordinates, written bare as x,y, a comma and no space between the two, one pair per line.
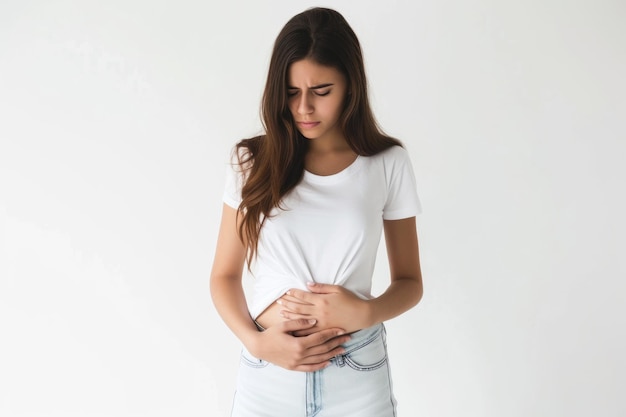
311,73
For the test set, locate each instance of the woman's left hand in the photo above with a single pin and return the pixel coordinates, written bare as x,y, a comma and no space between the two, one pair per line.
330,305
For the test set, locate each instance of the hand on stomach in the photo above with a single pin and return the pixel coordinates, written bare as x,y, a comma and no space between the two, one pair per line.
277,313
332,306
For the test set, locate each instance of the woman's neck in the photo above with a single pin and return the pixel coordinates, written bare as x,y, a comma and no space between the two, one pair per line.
329,159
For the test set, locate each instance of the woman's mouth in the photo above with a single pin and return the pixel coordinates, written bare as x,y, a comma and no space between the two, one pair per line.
308,125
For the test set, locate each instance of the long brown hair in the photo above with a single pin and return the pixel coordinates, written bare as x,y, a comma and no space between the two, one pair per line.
274,162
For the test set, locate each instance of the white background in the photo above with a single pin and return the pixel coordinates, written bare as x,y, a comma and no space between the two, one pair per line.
116,120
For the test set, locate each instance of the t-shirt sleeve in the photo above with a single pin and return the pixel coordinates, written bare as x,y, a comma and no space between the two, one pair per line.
402,199
233,184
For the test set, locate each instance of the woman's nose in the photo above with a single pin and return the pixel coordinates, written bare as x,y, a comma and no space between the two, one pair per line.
304,105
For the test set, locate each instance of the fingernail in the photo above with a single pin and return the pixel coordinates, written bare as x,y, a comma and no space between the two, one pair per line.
311,321
310,284
279,302
340,332
288,293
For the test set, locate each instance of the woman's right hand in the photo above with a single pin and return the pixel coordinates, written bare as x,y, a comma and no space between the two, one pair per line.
309,353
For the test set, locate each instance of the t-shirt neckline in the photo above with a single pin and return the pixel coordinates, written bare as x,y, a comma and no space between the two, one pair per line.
334,178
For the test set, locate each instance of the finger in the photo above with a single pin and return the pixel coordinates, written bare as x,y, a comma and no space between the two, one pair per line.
323,337
299,308
301,296
306,332
326,351
316,287
299,324
293,299
293,316
302,333
316,359
323,353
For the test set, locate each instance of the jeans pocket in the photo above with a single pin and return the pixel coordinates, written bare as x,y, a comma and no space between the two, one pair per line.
251,361
368,356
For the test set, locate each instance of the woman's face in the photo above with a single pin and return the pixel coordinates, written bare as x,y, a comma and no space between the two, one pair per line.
316,99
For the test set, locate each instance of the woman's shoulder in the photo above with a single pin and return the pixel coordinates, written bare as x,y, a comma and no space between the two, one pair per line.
393,154
390,162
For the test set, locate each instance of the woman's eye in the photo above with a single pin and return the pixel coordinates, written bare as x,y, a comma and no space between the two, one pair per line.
317,93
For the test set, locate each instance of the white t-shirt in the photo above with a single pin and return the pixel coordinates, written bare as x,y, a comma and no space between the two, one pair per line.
330,226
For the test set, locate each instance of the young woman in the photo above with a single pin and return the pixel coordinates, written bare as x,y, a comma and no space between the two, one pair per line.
304,208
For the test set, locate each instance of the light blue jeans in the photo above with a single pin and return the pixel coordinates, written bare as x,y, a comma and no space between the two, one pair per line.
357,383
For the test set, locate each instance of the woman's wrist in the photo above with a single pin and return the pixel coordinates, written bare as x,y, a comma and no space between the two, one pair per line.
250,339
401,296
369,313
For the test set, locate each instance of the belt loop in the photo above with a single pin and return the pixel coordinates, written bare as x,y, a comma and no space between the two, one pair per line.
341,361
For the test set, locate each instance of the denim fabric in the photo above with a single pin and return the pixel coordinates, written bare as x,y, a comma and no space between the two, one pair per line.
357,383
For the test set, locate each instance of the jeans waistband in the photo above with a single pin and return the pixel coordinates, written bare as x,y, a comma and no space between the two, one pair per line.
363,336
258,326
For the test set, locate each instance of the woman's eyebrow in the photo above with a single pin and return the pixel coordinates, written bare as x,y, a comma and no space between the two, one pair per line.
315,87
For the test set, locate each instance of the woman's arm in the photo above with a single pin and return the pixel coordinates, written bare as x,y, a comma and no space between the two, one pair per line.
406,288
333,305
277,344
